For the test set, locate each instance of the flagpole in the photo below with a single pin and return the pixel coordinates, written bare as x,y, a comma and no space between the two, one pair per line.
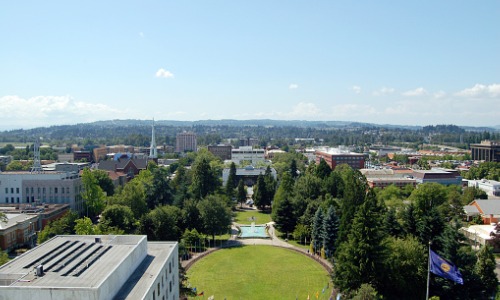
428,271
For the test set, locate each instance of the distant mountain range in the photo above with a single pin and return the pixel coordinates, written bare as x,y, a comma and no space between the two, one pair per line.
243,123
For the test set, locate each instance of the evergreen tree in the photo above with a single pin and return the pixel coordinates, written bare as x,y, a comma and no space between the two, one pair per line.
204,181
231,181
283,216
409,217
323,170
317,230
333,185
485,269
241,193
391,223
293,169
285,189
330,231
361,258
354,194
270,183
259,193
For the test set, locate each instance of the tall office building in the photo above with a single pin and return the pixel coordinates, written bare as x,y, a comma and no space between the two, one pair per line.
186,141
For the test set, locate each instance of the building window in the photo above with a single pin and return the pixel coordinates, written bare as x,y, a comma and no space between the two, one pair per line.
170,286
6,190
12,190
6,199
17,190
17,199
169,267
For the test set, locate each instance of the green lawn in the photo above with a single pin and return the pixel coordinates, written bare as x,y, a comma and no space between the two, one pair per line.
245,217
259,272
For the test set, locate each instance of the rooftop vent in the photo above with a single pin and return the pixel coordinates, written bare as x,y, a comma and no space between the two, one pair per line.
39,270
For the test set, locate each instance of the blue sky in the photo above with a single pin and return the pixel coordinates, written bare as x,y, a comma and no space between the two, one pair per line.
385,62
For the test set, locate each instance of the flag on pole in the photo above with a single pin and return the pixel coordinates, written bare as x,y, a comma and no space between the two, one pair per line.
445,269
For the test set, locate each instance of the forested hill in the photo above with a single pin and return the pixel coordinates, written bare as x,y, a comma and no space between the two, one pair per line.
138,132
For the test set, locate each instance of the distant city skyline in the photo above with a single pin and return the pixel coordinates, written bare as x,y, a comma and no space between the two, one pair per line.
400,63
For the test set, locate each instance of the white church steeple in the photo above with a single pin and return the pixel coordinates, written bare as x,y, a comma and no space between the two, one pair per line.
153,154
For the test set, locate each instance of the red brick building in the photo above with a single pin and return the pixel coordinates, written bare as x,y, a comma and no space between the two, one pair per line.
335,157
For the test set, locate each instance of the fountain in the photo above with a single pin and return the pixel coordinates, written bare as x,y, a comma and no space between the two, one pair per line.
253,231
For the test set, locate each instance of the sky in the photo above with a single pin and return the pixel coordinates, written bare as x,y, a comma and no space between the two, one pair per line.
384,62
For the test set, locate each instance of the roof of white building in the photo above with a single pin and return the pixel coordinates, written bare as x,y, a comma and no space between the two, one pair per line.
81,261
13,219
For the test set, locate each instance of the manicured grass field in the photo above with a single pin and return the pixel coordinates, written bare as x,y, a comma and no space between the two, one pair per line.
245,217
259,272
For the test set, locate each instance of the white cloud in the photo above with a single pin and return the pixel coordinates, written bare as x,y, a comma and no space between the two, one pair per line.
304,109
481,90
18,112
416,92
356,89
439,94
293,86
383,91
162,73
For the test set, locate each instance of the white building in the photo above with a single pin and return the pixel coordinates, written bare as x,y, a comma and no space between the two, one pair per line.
23,187
94,267
248,154
490,187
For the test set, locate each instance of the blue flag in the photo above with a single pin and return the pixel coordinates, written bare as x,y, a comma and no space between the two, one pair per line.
445,269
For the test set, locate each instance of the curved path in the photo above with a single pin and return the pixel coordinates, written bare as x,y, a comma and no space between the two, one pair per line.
272,241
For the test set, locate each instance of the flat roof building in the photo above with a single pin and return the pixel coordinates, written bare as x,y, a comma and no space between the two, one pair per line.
441,176
487,150
249,175
490,187
24,187
247,154
94,267
336,156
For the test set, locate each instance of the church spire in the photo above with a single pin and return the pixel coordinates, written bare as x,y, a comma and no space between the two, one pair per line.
153,154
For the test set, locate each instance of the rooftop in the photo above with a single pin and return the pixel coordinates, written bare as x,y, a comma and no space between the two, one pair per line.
83,262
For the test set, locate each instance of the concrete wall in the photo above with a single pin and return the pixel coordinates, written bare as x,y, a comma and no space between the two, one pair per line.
110,287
